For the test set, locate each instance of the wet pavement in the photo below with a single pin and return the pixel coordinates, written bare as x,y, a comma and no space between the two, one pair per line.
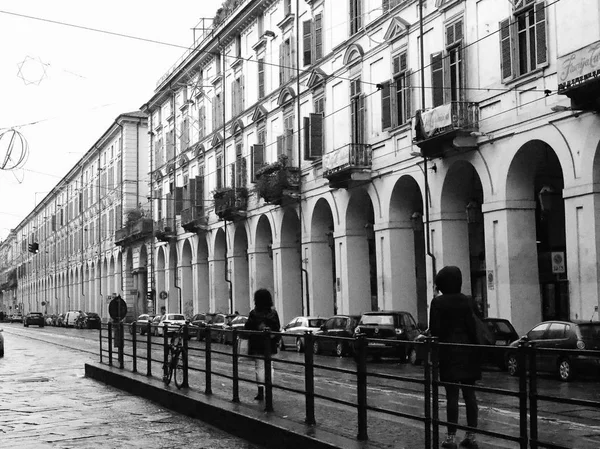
46,402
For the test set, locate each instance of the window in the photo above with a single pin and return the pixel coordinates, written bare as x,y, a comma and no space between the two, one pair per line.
390,4
217,111
287,7
396,94
287,60
261,78
239,166
556,331
313,127
447,67
219,171
201,121
537,332
357,111
285,142
355,16
218,63
170,145
312,41
238,46
199,196
237,96
523,40
185,134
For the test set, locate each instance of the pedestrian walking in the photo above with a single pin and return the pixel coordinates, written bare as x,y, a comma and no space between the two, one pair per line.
262,317
452,320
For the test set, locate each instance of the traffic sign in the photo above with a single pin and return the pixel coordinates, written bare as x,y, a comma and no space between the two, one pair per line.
117,309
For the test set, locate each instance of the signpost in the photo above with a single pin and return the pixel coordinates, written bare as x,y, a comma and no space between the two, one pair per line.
117,309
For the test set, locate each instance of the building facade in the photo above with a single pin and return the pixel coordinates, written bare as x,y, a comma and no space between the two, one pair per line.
62,256
339,153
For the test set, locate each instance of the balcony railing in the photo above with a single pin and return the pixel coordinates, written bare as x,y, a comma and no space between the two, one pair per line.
352,162
277,184
132,232
164,229
447,118
231,203
193,219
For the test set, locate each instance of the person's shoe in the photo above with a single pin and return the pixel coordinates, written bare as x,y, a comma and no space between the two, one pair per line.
469,442
261,394
449,442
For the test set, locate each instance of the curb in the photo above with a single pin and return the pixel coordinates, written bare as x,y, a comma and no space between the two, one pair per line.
255,426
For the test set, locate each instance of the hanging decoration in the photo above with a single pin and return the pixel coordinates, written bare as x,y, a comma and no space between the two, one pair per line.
14,149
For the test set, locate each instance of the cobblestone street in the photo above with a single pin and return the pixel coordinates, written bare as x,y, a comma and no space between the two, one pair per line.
46,402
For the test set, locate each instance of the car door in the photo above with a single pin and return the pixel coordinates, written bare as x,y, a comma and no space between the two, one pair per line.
329,329
288,337
536,336
554,338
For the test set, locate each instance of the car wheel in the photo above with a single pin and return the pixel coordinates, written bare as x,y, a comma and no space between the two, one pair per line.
565,370
339,349
299,345
512,365
316,348
413,358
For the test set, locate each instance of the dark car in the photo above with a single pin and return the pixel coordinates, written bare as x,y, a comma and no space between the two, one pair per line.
202,321
504,334
336,326
92,321
385,327
198,322
217,324
238,323
35,318
566,335
141,324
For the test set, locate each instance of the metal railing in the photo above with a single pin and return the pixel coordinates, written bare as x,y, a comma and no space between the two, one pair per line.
365,381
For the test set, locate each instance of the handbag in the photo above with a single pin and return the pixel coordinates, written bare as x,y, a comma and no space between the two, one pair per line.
482,332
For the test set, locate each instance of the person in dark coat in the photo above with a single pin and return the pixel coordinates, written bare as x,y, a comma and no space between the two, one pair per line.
262,317
451,320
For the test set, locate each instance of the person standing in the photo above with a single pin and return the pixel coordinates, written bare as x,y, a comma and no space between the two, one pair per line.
451,320
262,317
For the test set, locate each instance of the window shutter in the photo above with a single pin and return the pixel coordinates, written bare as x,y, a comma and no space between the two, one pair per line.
282,67
261,78
385,5
258,159
316,136
178,200
200,195
408,95
386,106
541,49
280,140
169,205
506,49
234,98
191,193
241,92
201,118
307,41
306,132
437,79
318,36
292,56
289,143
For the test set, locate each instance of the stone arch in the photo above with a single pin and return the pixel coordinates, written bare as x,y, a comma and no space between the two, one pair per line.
287,258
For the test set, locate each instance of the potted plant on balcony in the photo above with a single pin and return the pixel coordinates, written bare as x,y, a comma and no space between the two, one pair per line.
275,181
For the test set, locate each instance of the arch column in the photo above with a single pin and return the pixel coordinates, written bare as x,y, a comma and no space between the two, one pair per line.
287,271
317,255
261,265
200,271
353,293
219,288
242,299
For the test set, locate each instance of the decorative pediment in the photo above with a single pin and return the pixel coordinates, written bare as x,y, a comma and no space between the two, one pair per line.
159,174
183,160
237,126
260,113
286,94
170,167
398,28
216,140
316,77
354,53
200,151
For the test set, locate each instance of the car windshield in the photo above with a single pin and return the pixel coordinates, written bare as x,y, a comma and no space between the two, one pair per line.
35,314
590,331
175,317
377,319
503,327
316,322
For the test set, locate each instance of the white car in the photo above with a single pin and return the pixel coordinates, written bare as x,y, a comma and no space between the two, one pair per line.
173,320
292,333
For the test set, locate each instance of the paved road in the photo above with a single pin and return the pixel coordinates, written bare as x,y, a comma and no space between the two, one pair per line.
46,402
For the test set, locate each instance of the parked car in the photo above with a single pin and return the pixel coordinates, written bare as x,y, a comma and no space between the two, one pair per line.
217,324
48,320
16,318
141,324
34,318
173,321
391,326
60,320
155,323
293,332
1,343
504,334
71,318
576,335
91,320
336,326
201,321
238,323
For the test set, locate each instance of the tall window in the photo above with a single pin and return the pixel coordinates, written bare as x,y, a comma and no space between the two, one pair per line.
217,111
285,142
447,67
201,121
219,171
261,78
523,40
237,98
287,60
396,95
313,127
355,16
312,41
357,111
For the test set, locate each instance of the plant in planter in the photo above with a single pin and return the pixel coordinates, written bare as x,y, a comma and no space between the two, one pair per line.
274,181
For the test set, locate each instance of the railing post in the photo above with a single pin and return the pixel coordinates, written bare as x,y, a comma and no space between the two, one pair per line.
100,340
110,343
121,345
185,356
268,377
149,349
533,406
309,377
134,346
234,360
427,391
523,424
208,361
435,393
361,385
165,350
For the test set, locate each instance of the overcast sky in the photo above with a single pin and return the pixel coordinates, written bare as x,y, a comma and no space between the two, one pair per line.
72,83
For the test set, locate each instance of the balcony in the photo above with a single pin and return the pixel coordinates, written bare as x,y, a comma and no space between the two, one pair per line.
133,232
194,219
348,166
277,183
446,127
164,229
231,203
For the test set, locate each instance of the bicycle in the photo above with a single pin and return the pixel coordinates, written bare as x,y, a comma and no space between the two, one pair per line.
175,362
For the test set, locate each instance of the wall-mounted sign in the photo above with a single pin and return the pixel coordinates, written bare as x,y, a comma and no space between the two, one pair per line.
490,279
579,67
558,262
163,295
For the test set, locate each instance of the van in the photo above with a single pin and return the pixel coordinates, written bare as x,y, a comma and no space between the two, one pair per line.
70,318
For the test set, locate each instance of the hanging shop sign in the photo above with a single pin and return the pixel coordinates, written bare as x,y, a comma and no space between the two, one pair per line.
579,67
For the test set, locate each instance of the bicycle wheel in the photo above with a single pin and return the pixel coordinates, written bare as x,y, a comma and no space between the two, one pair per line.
179,371
168,374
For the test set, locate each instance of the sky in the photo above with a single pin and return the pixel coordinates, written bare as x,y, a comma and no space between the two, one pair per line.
62,86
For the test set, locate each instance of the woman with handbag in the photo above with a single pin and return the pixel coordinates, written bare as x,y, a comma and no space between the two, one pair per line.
262,317
452,320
